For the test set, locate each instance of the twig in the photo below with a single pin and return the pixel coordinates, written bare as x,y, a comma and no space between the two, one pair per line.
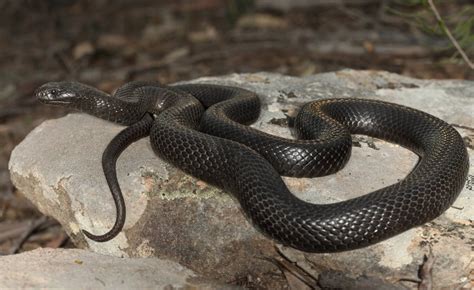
4,205
65,63
409,279
462,127
286,264
12,230
58,241
450,36
34,225
352,13
457,207
426,272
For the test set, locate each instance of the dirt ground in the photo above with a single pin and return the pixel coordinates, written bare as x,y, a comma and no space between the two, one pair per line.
107,43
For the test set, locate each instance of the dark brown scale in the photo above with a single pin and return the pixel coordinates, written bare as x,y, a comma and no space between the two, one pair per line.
248,163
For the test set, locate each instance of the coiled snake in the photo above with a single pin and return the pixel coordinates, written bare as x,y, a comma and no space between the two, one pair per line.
202,130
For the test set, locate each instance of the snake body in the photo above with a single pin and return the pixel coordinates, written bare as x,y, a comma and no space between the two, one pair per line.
202,130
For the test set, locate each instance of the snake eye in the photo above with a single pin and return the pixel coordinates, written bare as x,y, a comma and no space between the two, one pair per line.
51,93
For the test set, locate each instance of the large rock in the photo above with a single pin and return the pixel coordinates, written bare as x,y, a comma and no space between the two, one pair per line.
79,269
172,215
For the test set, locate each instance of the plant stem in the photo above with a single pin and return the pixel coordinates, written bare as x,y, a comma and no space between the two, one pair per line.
450,36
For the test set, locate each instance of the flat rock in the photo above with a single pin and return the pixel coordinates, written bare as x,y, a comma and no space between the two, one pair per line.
80,269
175,216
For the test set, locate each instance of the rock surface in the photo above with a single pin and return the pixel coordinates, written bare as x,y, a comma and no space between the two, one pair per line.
177,217
80,269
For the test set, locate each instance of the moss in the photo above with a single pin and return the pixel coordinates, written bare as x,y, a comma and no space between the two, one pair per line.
181,185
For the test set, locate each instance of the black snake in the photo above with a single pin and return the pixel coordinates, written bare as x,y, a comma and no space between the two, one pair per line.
202,130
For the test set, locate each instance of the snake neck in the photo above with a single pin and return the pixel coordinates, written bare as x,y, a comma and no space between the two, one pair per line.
110,108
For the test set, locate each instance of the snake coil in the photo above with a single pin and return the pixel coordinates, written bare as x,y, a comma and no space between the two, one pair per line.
202,130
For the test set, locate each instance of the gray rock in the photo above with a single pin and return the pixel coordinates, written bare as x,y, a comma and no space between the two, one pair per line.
175,216
80,269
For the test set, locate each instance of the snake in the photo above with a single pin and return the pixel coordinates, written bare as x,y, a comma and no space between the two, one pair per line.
203,129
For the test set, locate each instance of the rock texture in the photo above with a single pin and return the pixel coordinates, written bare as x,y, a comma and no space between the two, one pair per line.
177,217
79,269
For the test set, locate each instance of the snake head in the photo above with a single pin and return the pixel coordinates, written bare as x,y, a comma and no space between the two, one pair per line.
59,93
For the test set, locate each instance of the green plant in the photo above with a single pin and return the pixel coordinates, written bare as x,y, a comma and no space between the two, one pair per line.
458,27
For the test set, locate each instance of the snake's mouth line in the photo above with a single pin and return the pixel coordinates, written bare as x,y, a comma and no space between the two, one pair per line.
54,102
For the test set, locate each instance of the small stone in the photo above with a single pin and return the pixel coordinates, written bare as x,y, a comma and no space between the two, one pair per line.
208,33
82,50
176,55
112,42
262,21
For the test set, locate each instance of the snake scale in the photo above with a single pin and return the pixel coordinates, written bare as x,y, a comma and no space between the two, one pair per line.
202,129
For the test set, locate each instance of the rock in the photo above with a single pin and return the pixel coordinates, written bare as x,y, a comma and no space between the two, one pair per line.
175,216
80,269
